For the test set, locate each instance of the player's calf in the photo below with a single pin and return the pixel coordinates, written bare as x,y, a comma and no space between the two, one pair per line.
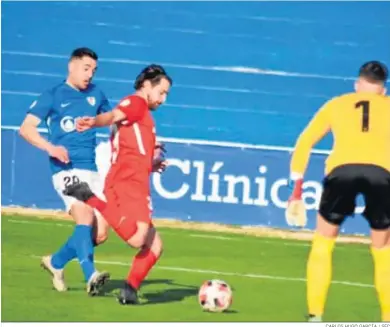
143,262
154,242
380,250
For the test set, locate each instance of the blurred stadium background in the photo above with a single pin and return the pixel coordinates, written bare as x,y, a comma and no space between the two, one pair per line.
247,72
240,69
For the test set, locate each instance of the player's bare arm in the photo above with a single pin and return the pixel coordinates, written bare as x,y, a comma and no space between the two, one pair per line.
29,131
109,118
106,119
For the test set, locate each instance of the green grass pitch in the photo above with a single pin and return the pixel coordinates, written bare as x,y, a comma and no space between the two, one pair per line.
267,276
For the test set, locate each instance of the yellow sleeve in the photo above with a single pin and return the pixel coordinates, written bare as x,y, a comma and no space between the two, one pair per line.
317,128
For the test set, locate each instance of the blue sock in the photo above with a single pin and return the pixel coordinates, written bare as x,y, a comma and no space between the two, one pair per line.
82,243
65,254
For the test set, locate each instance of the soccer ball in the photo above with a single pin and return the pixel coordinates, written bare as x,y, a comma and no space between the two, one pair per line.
215,295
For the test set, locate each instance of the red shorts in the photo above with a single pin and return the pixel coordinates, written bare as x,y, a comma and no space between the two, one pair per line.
126,208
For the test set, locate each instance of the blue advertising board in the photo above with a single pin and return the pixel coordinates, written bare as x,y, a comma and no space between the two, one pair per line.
227,184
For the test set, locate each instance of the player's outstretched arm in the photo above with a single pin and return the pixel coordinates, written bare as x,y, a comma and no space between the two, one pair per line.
29,131
109,118
106,119
128,109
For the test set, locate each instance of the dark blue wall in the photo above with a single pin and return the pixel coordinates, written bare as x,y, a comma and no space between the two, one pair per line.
240,68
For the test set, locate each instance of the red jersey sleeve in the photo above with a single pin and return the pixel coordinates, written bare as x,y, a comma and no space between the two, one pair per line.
133,107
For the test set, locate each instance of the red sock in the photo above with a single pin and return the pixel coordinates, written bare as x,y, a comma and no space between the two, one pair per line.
96,203
143,262
108,210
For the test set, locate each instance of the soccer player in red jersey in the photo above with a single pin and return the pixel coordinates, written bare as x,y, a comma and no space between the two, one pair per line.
135,155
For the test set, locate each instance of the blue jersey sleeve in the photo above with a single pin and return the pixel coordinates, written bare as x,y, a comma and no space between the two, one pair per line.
104,105
41,107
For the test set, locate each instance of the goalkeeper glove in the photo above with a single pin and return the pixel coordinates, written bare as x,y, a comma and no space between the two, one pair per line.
295,213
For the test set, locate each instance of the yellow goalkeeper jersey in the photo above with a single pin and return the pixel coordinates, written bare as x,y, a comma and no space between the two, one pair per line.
360,124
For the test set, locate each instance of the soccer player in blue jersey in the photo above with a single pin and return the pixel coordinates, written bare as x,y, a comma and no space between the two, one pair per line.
72,159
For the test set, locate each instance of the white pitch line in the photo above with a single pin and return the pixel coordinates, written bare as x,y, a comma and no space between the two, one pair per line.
225,273
214,237
26,222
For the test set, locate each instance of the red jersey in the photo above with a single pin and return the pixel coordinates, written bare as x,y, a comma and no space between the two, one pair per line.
133,143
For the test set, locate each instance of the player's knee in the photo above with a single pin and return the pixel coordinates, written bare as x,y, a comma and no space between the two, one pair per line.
138,235
101,238
138,240
380,238
81,213
329,226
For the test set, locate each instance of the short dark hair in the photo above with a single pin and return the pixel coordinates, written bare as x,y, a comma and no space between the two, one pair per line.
374,71
83,52
153,73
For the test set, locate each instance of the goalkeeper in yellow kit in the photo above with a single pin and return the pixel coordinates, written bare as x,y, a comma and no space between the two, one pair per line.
359,163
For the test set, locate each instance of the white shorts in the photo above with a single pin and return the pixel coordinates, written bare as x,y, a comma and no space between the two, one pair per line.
67,177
